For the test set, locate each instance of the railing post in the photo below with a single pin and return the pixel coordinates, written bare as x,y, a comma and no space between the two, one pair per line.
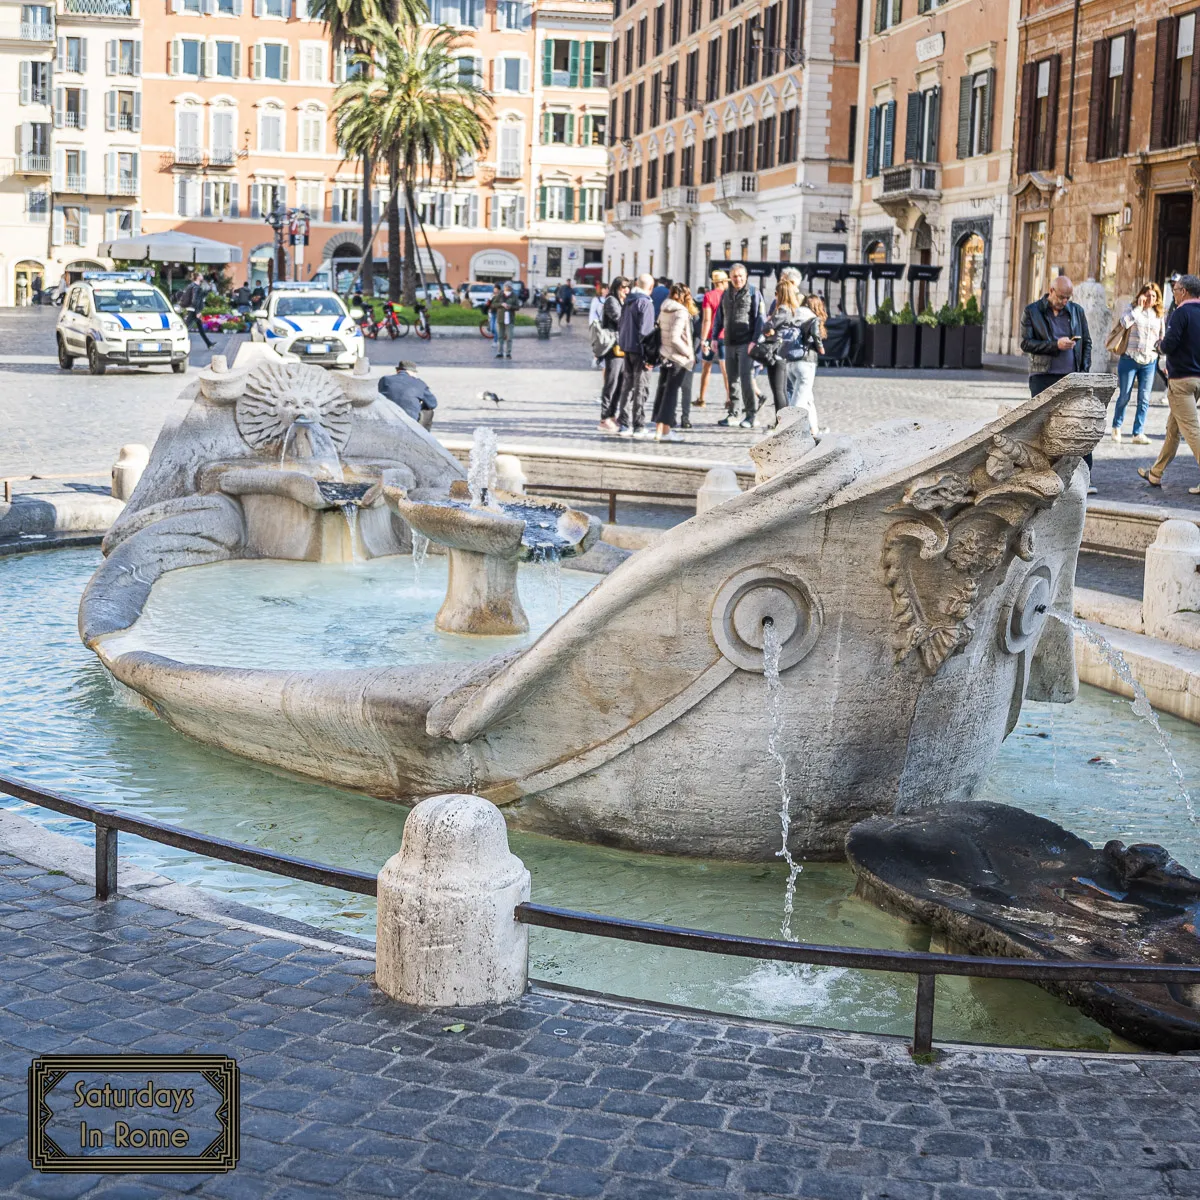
106,862
923,1021
612,508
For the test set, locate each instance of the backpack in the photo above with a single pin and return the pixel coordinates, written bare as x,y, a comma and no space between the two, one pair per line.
652,347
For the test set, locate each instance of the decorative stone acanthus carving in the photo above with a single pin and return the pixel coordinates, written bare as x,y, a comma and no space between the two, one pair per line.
275,394
960,531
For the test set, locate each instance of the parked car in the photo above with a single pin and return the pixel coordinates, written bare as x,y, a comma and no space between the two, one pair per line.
479,294
434,290
302,323
116,317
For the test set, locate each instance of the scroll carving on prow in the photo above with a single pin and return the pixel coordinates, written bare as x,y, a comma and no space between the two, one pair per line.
960,528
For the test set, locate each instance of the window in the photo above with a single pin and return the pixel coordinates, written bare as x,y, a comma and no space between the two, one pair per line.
553,260
187,135
187,196
225,57
785,246
881,137
639,108
708,160
513,15
1176,107
766,144
975,114
223,151
308,196
271,61
598,77
712,81
615,50
1111,97
123,166
788,140
74,225
728,153
715,9
591,205
508,211
1108,252
691,78
652,179
764,248
270,130
887,14
595,129
509,163
635,184
37,205
470,71
921,128
629,50
656,91
794,52
266,198
36,24
626,128
35,144
687,176
72,55
35,83
668,169
271,8
229,8
971,258
187,57
745,148
556,203
74,171
70,108
772,41
733,60
124,57
312,64
675,29
457,12
220,198
558,128
659,29
560,63
312,132
123,111
122,222
345,201
753,45
1039,115
641,42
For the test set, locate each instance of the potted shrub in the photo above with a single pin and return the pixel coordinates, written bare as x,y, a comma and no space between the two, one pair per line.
906,337
950,318
879,347
929,338
973,322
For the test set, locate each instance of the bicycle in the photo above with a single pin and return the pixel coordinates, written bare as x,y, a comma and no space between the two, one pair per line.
396,325
485,328
422,321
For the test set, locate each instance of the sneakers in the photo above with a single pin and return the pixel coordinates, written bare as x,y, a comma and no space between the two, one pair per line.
1140,439
608,425
625,431
727,422
746,424
685,424
668,437
1116,435
1093,491
643,434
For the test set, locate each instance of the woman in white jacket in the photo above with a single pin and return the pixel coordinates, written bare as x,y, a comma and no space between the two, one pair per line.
678,358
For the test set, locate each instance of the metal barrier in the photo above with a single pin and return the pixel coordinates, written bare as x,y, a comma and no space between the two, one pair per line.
9,480
925,966
547,489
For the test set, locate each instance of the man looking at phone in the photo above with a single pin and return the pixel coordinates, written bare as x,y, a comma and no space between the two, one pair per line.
1054,333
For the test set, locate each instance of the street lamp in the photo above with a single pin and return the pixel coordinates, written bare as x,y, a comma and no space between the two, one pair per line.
290,227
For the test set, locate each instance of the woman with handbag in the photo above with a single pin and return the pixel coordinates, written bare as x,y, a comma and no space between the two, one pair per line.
677,357
1135,338
787,345
614,357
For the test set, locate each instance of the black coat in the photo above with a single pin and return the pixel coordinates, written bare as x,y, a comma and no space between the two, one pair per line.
1039,342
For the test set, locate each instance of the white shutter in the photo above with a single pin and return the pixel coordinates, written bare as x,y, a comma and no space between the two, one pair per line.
258,59
336,213
110,173
258,8
176,56
110,110
59,175
177,5
233,200
26,137
60,106
111,49
473,212
135,166
135,222
56,226
83,55
524,73
207,209
83,108
60,62
256,200
26,83
83,171
137,112
282,194
207,63
208,7
237,8
285,62
83,226
110,224
494,212
520,212
377,204
137,58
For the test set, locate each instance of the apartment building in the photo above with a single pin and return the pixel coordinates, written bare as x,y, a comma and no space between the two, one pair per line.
239,120
1106,177
730,136
936,115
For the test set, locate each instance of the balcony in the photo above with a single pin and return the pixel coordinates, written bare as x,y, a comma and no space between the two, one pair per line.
123,185
74,184
737,193
909,192
222,156
99,8
37,31
912,177
188,156
509,169
679,200
626,213
33,164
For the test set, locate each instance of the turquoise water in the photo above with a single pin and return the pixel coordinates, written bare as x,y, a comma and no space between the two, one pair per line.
66,726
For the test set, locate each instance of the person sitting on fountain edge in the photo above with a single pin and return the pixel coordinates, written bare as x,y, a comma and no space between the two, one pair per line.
410,394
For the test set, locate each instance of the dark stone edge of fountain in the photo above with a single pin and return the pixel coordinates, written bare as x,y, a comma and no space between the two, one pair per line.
1138,1020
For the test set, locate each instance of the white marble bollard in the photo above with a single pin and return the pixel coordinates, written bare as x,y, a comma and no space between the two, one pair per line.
1171,585
446,936
720,484
127,470
509,475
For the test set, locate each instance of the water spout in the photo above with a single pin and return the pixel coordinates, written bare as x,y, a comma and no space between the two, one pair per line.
313,449
350,512
481,467
772,648
420,552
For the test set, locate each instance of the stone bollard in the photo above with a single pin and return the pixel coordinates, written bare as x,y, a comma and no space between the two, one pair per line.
720,484
446,936
218,364
127,470
509,475
362,366
1171,584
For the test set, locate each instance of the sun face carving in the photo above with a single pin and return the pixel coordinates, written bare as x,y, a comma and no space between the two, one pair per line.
277,393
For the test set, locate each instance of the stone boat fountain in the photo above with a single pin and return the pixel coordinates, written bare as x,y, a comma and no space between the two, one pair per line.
906,574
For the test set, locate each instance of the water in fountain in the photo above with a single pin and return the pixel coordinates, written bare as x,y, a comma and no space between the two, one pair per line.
481,467
1140,702
350,512
772,648
548,559
420,551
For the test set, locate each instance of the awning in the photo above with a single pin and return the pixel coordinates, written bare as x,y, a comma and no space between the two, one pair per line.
170,246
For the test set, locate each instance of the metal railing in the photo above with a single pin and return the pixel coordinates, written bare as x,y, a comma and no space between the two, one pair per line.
37,31
109,823
911,177
188,156
125,185
508,168
548,489
33,164
100,8
74,183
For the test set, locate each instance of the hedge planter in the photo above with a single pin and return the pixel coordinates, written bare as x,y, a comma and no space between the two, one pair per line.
879,347
929,346
906,346
973,347
953,337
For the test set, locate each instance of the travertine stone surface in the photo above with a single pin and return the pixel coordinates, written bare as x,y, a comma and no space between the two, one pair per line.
1171,593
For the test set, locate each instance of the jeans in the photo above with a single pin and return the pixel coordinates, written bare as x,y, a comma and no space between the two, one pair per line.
611,391
635,388
504,334
1182,395
197,324
666,400
1127,372
740,367
803,373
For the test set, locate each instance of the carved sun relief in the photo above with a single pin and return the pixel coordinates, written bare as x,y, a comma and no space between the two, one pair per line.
277,393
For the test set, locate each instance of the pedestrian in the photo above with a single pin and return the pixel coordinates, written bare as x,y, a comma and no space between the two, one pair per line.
637,324
596,307
798,330
659,294
1181,345
410,394
192,300
258,297
678,358
614,359
740,318
689,379
712,347
504,308
1140,328
1054,333
565,295
491,307
803,374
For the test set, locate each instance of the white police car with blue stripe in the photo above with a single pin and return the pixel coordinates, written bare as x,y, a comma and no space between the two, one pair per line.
308,323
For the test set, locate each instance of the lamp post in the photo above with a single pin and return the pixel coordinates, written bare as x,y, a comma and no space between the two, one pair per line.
290,227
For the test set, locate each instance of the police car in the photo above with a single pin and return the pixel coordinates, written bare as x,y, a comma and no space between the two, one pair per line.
119,317
304,322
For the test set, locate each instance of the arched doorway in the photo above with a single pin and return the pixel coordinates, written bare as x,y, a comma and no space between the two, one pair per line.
921,253
258,270
342,256
29,277
494,266
73,272
971,252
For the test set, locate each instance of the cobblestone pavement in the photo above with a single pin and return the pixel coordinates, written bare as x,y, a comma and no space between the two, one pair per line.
345,1093
55,423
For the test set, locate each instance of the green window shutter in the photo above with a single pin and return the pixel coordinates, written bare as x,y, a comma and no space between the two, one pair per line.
587,64
571,129
964,117
547,128
547,61
541,204
569,202
574,64
586,129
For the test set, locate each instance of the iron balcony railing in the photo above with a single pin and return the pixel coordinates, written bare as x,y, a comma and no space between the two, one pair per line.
122,185
109,823
100,8
37,31
224,156
189,156
508,168
74,183
912,177
33,164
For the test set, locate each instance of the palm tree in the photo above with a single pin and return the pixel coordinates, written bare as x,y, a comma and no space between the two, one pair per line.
416,111
342,18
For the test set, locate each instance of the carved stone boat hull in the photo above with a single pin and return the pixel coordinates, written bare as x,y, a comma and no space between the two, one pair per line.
908,571
998,881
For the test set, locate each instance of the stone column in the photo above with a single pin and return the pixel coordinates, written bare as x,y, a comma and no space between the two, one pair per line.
132,460
446,936
1171,587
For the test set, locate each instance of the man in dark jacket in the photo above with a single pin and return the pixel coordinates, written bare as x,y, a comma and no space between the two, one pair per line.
1181,345
637,322
410,394
740,315
192,300
565,296
610,319
1054,333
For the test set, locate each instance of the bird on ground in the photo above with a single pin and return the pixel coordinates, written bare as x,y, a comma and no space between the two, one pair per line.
496,400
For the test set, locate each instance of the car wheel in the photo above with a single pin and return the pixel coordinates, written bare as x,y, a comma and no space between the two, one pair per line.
65,361
179,367
96,364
